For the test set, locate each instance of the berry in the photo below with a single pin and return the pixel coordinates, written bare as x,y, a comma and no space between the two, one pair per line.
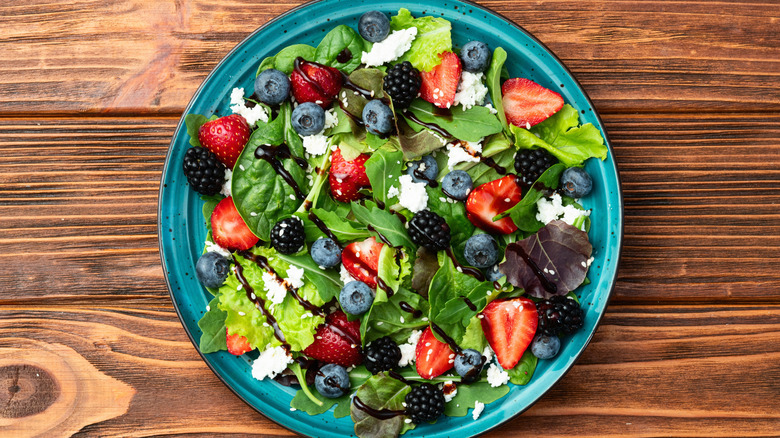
531,164
559,315
402,83
356,298
509,327
308,119
332,381
576,182
374,26
287,236
475,56
272,87
432,356
337,341
212,269
228,228
423,170
382,355
225,137
468,365
378,117
204,171
545,347
457,184
441,83
491,199
481,251
425,403
361,260
347,178
237,344
493,274
428,229
313,82
527,103
325,252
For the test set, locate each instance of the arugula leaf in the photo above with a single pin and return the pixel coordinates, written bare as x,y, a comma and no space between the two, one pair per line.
468,395
523,213
383,169
474,336
385,223
470,125
212,324
433,37
341,38
494,83
388,319
343,229
522,372
327,282
380,392
193,122
303,403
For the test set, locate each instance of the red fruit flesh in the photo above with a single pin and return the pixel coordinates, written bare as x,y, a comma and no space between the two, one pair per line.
228,229
432,356
313,82
337,341
361,260
509,326
225,137
347,178
527,103
441,83
491,199
237,344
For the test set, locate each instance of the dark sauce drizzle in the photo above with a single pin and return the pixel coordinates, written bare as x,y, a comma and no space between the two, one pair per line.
399,377
382,285
548,285
420,175
324,228
451,342
344,56
474,272
432,126
260,304
271,154
406,307
380,414
469,304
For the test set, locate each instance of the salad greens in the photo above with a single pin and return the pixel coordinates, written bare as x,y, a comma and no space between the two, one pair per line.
433,38
471,124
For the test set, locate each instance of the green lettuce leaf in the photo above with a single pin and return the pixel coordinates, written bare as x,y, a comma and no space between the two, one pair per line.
433,37
380,392
470,125
383,169
523,213
494,83
468,395
522,372
212,324
388,319
394,269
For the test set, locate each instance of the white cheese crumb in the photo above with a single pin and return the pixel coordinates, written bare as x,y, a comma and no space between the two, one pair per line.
478,408
238,106
389,49
213,247
552,208
451,390
316,144
228,181
295,277
393,192
460,152
331,119
471,90
276,289
488,353
412,195
270,363
496,376
490,108
408,349
346,277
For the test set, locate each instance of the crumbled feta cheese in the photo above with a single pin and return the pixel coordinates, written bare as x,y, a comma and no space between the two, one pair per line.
471,90
393,192
490,108
346,277
450,391
478,408
238,106
460,152
488,353
275,288
295,277
389,49
270,363
228,181
412,195
316,144
331,119
496,375
552,208
213,247
408,349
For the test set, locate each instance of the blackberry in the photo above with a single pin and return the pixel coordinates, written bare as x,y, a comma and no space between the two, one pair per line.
559,315
428,229
402,83
425,403
530,164
203,170
287,235
382,355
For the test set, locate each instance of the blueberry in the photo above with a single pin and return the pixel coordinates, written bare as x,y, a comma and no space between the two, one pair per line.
212,269
576,182
475,56
332,381
545,347
457,184
493,274
423,170
326,253
378,117
481,251
468,365
374,26
308,119
272,87
356,297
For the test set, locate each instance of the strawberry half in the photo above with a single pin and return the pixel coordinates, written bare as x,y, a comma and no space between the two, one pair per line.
432,356
313,82
509,326
237,344
225,137
441,83
337,341
527,103
347,177
361,260
228,229
490,199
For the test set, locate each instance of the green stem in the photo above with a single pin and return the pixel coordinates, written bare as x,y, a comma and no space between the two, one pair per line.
319,181
296,369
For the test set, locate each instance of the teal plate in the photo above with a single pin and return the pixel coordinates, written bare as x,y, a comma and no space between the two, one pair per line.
182,230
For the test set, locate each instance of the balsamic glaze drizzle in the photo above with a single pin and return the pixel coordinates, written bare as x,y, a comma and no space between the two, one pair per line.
474,272
260,304
548,285
380,414
271,154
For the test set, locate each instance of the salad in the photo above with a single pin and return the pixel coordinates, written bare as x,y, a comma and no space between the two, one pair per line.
394,223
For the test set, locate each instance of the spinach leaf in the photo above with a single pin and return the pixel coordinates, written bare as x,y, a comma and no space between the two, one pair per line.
268,62
212,324
472,124
291,138
344,230
341,38
285,59
494,84
383,169
209,204
326,281
380,392
385,224
468,395
193,122
523,213
388,319
302,402
522,372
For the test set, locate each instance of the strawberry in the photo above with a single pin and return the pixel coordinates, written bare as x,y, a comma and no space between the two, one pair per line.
237,344
225,137
509,326
347,177
441,83
228,228
361,260
490,199
432,356
337,341
527,103
313,82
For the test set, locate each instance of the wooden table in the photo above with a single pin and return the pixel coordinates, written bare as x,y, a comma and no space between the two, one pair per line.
90,94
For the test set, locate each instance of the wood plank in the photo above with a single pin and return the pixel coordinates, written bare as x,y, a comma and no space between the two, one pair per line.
650,370
629,56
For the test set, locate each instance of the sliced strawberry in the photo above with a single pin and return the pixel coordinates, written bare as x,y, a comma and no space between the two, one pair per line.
337,341
226,137
527,103
237,344
490,199
432,356
228,228
509,326
441,83
361,260
347,177
313,82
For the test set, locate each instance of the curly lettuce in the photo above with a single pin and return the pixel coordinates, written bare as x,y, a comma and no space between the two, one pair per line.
433,37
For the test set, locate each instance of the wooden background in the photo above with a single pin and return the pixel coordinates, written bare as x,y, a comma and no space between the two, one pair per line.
91,91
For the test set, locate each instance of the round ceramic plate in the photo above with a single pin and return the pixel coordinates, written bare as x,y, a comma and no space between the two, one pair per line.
182,228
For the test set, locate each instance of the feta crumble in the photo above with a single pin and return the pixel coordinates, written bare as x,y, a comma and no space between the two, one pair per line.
471,90
412,195
450,390
389,49
393,192
488,353
346,277
213,247
496,376
316,144
460,152
238,106
331,119
552,208
225,190
408,349
295,277
270,363
275,288
478,408
490,108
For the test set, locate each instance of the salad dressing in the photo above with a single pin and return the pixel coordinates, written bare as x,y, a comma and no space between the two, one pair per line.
324,228
344,56
397,376
382,285
548,285
260,304
420,175
469,304
474,272
271,154
432,126
379,414
406,307
451,342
